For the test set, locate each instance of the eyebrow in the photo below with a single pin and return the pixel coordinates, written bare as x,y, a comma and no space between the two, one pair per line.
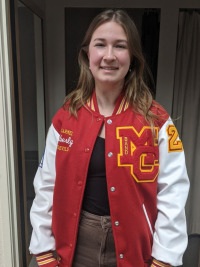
117,41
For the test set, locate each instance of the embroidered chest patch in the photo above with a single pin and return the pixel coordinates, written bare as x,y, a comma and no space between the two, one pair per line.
65,141
139,152
174,143
42,160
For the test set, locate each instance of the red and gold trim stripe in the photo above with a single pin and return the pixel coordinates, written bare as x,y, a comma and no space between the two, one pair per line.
126,106
44,259
157,263
90,104
121,104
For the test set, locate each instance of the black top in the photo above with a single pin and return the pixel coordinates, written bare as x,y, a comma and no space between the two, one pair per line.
95,198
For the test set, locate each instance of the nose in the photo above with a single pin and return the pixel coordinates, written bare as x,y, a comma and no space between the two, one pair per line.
109,54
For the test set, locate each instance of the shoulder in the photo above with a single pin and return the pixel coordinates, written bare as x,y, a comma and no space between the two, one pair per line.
161,115
59,117
157,109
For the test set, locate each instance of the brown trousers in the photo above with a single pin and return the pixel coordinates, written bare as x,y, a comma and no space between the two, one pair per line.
95,244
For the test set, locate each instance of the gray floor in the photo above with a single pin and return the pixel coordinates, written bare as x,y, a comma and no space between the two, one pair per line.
33,263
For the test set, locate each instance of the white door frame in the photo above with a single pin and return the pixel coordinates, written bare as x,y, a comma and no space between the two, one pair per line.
9,230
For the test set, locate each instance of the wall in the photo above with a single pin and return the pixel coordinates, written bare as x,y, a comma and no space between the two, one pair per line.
28,77
39,3
31,94
34,4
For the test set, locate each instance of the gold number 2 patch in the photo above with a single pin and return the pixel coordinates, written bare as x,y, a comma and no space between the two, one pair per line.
174,144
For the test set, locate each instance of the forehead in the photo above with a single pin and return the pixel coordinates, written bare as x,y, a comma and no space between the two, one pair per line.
109,30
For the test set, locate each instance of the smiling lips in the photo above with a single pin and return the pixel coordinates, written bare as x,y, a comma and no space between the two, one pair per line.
109,68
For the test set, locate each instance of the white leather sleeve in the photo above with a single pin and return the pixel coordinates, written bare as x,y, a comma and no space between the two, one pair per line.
42,239
170,236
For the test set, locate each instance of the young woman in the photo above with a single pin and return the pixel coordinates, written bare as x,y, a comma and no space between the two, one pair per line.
112,185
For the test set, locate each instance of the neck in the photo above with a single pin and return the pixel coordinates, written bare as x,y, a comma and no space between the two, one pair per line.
107,98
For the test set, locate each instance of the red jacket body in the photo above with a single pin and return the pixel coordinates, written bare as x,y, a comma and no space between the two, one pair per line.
132,173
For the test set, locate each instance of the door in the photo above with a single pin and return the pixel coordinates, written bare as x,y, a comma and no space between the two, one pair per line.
28,61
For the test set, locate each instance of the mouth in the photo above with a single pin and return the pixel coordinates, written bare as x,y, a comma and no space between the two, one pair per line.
109,68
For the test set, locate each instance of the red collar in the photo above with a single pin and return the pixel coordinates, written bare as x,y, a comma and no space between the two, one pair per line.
120,106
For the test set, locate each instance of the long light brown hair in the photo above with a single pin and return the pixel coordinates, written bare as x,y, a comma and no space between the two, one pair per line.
136,91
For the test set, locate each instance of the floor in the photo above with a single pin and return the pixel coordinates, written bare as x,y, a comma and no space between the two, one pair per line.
33,263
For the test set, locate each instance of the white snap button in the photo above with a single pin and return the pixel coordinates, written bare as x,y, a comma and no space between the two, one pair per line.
110,154
112,189
117,223
121,256
109,121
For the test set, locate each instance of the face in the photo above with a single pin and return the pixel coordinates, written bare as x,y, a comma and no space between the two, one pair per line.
109,57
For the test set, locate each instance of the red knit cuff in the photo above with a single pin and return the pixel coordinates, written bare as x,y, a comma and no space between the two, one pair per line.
46,259
157,263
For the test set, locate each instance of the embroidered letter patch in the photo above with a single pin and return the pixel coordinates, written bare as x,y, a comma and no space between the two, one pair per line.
139,152
42,160
174,144
65,140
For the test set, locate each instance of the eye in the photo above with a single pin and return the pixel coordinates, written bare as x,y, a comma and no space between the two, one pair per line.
99,45
121,46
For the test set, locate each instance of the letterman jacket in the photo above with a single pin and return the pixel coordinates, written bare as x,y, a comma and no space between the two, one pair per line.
146,178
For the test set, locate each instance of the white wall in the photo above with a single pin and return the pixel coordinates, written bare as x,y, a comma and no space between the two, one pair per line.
55,46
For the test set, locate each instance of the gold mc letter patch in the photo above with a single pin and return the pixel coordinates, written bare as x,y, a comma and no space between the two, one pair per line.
139,152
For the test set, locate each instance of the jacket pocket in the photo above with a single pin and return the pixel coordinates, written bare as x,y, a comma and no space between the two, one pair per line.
147,219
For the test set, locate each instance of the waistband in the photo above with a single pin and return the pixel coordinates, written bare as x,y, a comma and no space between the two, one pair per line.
95,220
